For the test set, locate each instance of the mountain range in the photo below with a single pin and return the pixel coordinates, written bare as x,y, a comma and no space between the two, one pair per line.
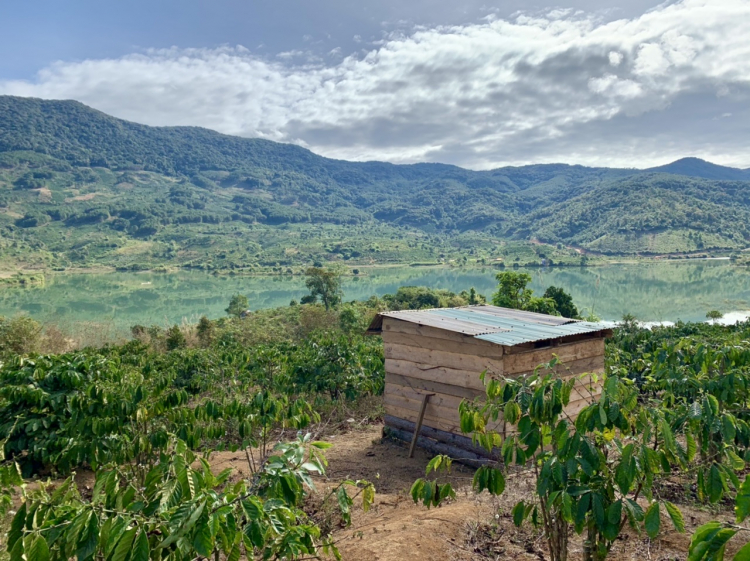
79,187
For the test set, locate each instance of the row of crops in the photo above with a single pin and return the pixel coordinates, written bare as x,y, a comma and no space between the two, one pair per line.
145,420
673,414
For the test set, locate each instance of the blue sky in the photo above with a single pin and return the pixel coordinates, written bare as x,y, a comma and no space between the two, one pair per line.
475,83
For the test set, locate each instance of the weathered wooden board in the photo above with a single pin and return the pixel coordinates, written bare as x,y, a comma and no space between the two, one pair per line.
450,401
432,386
575,407
527,361
448,425
449,359
582,390
436,409
458,454
594,364
392,325
432,343
461,378
440,411
460,441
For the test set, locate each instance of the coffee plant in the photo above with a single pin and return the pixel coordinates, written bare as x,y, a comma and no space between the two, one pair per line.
181,510
710,540
589,475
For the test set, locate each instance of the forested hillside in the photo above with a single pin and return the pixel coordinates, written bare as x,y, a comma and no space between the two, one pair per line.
80,188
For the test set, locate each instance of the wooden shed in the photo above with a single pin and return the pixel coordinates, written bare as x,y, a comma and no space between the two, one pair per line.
433,359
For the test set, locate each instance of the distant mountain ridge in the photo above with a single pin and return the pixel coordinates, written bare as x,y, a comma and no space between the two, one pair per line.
57,128
695,167
69,170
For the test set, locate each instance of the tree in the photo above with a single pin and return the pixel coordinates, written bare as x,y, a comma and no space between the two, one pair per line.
349,319
511,290
714,315
513,293
175,338
473,297
205,331
324,284
237,305
563,302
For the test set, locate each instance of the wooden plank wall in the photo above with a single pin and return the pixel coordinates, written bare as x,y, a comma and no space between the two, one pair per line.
421,359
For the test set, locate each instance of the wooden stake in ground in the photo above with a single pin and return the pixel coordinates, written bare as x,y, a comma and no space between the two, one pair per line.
419,424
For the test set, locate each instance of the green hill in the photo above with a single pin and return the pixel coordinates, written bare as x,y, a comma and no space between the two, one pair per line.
695,167
81,188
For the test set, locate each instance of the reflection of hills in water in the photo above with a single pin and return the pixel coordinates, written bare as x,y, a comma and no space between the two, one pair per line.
653,292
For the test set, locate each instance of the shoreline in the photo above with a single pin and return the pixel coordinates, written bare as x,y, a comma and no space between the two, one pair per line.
7,275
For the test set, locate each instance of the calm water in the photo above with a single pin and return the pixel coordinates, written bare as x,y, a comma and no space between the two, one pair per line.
652,292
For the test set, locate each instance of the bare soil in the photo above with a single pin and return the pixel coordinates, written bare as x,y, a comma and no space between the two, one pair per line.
473,527
470,528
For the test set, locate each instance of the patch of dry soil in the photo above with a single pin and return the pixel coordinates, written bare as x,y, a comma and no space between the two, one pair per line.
471,527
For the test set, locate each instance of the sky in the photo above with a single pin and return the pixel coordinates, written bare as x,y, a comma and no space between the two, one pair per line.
478,83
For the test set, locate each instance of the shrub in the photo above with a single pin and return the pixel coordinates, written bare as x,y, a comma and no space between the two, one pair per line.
20,335
175,338
237,305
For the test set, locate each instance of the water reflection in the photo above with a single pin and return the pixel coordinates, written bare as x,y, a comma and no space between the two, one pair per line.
652,292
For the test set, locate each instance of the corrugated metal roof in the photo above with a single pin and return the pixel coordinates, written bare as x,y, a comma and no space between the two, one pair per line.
502,326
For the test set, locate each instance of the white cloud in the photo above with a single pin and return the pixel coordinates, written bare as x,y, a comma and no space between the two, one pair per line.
556,87
615,58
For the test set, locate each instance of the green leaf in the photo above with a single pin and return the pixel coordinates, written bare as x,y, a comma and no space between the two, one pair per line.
597,507
518,513
614,512
141,549
489,478
89,540
728,430
701,540
16,527
345,503
256,533
738,464
743,554
742,501
203,542
567,507
234,553
624,472
434,464
715,484
38,550
676,516
16,553
582,509
123,546
692,447
653,520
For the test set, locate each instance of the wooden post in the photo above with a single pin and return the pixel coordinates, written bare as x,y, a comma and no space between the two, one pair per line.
419,423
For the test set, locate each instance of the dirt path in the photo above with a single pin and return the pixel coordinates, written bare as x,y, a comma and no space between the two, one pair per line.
471,527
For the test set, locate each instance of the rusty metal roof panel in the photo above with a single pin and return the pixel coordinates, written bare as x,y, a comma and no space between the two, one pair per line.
502,326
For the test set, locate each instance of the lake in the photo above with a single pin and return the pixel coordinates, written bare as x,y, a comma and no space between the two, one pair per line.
665,291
